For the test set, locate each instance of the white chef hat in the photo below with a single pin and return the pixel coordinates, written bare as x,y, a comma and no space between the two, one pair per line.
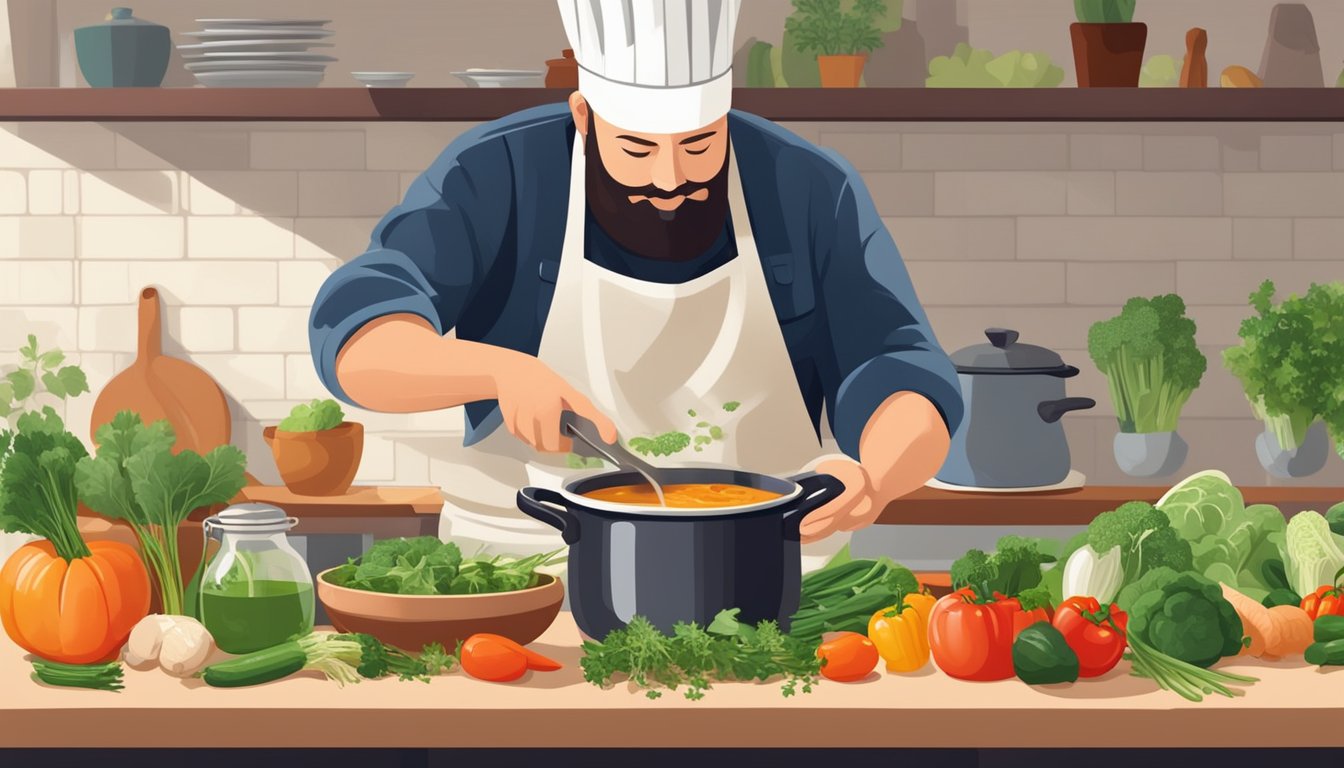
654,66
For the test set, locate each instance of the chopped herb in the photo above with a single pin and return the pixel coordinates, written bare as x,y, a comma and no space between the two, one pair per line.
691,413
702,425
716,433
665,444
731,406
703,440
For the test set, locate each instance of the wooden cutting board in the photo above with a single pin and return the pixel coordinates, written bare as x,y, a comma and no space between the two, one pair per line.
160,387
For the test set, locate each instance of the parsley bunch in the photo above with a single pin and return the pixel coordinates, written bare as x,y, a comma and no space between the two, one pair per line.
726,650
424,565
1291,361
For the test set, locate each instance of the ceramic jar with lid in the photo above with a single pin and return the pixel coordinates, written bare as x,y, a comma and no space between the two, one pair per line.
123,52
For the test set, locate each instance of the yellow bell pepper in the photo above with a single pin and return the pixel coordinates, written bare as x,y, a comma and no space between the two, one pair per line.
901,633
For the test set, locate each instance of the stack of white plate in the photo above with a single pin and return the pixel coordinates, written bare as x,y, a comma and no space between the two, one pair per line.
258,53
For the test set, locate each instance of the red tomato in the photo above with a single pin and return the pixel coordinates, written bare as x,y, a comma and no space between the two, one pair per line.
1325,601
1095,634
971,640
848,657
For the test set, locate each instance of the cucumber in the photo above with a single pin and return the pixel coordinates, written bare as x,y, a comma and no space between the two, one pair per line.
1327,629
1329,654
264,666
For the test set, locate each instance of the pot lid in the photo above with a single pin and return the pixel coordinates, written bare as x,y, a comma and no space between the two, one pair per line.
1003,354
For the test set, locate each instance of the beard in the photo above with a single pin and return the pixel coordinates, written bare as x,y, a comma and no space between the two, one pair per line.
677,235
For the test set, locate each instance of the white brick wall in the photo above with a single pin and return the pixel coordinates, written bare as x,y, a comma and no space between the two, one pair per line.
1043,228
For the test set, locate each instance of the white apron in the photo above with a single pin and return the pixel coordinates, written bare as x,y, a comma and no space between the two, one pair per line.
648,355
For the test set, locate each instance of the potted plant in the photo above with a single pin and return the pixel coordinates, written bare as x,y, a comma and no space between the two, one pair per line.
316,450
1290,363
1152,366
1107,44
841,37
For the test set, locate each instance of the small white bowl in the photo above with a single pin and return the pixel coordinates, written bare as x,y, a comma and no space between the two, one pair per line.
384,79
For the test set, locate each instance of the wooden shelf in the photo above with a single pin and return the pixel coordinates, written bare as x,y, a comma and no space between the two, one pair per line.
788,104
929,506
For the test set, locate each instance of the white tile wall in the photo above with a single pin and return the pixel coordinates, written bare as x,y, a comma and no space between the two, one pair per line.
1043,228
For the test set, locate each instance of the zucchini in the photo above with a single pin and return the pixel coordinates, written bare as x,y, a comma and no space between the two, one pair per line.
264,666
1327,629
1329,654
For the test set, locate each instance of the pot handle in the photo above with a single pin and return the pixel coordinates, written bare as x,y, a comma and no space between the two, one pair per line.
549,507
818,491
1053,410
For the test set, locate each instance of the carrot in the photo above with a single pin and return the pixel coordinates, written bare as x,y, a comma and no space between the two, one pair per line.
1255,622
1295,629
1284,630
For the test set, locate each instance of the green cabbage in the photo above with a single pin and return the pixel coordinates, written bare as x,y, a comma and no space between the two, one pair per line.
1232,543
1312,553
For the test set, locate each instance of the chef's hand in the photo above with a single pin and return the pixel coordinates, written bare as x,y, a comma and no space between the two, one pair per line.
857,506
532,397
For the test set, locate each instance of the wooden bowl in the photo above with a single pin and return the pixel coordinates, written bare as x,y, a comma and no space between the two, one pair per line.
317,463
411,622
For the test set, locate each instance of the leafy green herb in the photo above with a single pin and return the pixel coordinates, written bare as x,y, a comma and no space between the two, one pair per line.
317,416
424,565
40,372
665,444
37,482
727,650
136,477
98,677
1291,360
731,406
575,461
691,413
824,26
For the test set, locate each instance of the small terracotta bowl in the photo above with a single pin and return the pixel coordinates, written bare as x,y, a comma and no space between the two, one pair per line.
317,463
411,622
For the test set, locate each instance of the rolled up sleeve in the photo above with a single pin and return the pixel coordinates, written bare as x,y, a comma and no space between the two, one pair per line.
880,335
425,257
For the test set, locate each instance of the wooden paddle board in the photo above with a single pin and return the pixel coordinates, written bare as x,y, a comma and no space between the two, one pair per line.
160,387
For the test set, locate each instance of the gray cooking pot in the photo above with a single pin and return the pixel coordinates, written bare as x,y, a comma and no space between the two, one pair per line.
1010,436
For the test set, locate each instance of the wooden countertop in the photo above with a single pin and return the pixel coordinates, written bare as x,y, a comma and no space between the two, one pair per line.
781,104
932,506
1292,705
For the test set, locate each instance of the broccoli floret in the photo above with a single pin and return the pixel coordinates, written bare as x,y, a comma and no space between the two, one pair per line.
1145,537
1150,360
1014,567
1183,615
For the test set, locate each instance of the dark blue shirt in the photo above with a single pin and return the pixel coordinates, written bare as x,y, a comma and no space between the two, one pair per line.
475,247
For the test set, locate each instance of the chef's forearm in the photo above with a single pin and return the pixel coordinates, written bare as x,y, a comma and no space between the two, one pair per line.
904,445
400,364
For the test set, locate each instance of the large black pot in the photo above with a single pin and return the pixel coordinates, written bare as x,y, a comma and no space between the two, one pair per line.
680,565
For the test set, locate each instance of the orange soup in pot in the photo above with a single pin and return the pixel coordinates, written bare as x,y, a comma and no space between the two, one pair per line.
685,496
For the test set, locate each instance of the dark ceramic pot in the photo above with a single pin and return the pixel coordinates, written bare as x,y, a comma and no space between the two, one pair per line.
680,565
123,52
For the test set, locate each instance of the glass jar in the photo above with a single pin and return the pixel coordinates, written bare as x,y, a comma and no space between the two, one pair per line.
257,591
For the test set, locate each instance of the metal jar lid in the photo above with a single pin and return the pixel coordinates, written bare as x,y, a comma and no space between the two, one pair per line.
252,518
1004,355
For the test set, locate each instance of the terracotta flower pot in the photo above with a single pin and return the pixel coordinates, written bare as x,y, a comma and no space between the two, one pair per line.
841,71
1108,55
317,463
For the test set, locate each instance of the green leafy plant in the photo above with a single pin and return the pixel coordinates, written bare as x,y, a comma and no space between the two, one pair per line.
1104,11
138,478
1230,542
1013,568
317,416
1150,361
40,372
969,67
1182,615
37,482
1291,361
829,29
424,565
1161,71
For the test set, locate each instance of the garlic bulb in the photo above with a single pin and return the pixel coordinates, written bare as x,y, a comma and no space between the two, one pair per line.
142,647
178,644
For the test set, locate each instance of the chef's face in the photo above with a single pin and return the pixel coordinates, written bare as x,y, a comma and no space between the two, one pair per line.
663,170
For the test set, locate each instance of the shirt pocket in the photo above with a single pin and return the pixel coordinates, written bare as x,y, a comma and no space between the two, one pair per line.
790,284
548,271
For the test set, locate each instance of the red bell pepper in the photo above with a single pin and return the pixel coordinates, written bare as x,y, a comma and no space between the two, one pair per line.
1096,633
971,638
1325,601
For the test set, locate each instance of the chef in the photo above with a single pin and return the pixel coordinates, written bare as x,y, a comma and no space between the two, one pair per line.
653,261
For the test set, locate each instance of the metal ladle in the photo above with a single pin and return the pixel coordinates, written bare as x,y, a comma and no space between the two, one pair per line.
589,443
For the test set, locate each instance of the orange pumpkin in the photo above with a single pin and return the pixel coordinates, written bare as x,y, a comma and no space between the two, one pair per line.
79,611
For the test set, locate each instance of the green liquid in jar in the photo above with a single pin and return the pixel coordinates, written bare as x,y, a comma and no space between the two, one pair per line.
248,616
